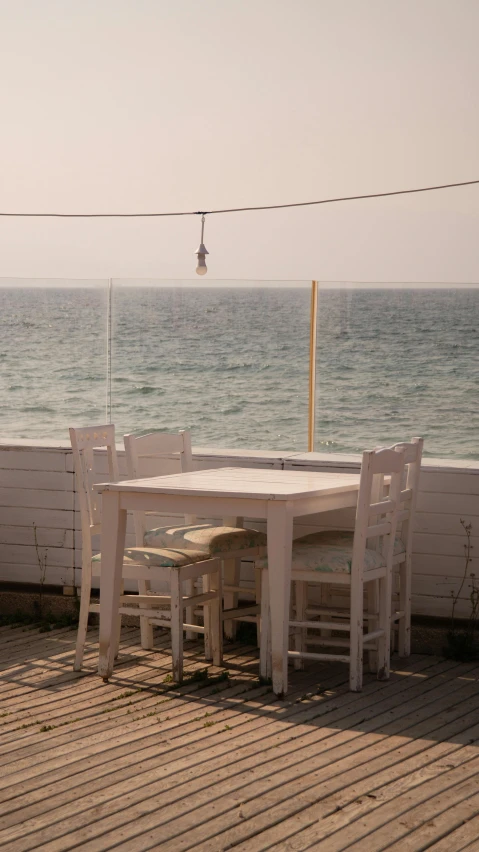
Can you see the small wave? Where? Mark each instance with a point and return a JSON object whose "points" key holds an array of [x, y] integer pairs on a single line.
{"points": [[232, 409], [41, 408], [145, 389]]}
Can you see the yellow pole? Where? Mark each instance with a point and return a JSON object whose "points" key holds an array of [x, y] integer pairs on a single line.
{"points": [[312, 364]]}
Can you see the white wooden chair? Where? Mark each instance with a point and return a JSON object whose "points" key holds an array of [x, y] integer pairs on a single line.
{"points": [[402, 557], [350, 559], [174, 566], [159, 453]]}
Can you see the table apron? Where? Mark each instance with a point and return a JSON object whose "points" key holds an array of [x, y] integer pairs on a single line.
{"points": [[212, 506]]}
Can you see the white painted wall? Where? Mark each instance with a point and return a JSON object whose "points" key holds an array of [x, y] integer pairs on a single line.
{"points": [[37, 488]]}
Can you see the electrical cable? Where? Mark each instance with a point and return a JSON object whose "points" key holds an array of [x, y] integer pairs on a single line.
{"points": [[239, 209]]}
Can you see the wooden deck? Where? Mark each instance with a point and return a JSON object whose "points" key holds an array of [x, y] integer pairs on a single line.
{"points": [[219, 763]]}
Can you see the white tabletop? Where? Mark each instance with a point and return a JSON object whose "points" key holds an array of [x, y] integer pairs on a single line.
{"points": [[252, 483]]}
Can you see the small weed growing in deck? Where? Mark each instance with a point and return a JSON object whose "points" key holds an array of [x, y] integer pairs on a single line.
{"points": [[462, 643], [125, 694]]}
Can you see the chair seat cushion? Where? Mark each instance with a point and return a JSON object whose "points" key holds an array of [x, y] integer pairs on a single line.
{"points": [[206, 538], [159, 558], [346, 537], [330, 551]]}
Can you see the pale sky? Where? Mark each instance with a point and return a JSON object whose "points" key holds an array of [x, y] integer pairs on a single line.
{"points": [[168, 105]]}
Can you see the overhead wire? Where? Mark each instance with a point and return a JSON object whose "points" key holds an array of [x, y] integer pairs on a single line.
{"points": [[242, 209]]}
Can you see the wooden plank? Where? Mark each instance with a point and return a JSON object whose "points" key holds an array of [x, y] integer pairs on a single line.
{"points": [[58, 575], [439, 607], [20, 516], [429, 823], [440, 524], [26, 554], [449, 482], [443, 546], [46, 537], [355, 827], [39, 499], [33, 458], [441, 567], [36, 480], [420, 791], [451, 504], [460, 839], [440, 585]]}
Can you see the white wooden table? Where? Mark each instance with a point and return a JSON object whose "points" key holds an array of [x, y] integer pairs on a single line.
{"points": [[277, 495]]}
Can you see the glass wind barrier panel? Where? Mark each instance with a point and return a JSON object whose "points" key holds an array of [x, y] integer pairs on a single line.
{"points": [[227, 360], [53, 356], [395, 363]]}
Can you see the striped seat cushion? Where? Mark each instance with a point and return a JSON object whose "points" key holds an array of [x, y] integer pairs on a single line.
{"points": [[329, 551], [158, 558], [345, 537], [205, 538]]}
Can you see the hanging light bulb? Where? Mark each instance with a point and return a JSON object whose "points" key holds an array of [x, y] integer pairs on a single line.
{"points": [[202, 251]]}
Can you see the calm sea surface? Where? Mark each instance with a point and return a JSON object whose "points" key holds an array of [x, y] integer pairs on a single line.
{"points": [[232, 365]]}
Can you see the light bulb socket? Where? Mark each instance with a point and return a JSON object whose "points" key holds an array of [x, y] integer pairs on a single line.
{"points": [[201, 249]]}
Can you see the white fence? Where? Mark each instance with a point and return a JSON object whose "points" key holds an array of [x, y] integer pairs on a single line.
{"points": [[37, 492]]}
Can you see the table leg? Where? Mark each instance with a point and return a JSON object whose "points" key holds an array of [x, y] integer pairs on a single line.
{"points": [[112, 548], [280, 542]]}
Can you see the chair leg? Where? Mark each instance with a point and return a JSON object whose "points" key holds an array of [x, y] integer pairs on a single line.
{"points": [[231, 572], [257, 598], [189, 613], [265, 668], [299, 632], [83, 617], [146, 628], [404, 638], [117, 629], [372, 607], [176, 626], [216, 620], [384, 642], [325, 597], [356, 638], [207, 619]]}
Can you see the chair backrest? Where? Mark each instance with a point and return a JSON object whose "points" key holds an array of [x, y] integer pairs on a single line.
{"points": [[156, 454], [376, 517], [84, 442], [410, 485]]}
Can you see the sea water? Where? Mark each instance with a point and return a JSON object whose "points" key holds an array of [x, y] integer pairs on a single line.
{"points": [[232, 365]]}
